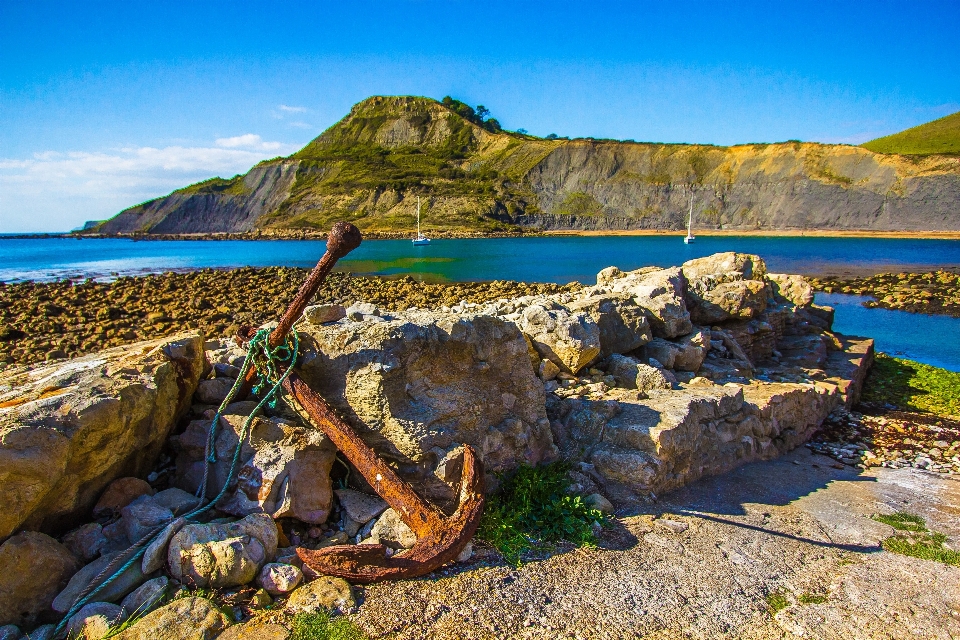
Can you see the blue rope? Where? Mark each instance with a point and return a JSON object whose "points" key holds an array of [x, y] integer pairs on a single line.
{"points": [[267, 358]]}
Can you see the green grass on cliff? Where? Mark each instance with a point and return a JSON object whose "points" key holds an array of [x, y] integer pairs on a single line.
{"points": [[532, 508], [939, 136], [913, 386]]}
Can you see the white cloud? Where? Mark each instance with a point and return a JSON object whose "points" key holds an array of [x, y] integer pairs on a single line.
{"points": [[284, 107], [248, 141], [56, 190]]}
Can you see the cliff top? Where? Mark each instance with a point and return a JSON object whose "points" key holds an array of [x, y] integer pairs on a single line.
{"points": [[940, 136]]}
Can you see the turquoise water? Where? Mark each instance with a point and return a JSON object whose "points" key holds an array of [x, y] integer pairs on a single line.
{"points": [[539, 259], [929, 339]]}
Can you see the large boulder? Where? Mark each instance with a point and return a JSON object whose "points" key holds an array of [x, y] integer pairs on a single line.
{"points": [[68, 429], [737, 299], [622, 322], [748, 266], [222, 555], [285, 470], [571, 340], [183, 619], [33, 569], [420, 384], [791, 288], [660, 294]]}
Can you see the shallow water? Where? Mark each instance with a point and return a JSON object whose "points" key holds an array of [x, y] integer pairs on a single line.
{"points": [[538, 259], [929, 339]]}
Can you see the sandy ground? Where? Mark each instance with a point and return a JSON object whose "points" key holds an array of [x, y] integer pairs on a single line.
{"points": [[796, 525]]}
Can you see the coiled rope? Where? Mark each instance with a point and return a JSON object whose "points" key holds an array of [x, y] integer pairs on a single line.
{"points": [[268, 361]]}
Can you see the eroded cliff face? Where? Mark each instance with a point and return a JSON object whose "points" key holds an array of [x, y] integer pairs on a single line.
{"points": [[780, 186], [370, 167]]}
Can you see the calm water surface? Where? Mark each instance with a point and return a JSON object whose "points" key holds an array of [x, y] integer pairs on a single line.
{"points": [[540, 259], [931, 339]]}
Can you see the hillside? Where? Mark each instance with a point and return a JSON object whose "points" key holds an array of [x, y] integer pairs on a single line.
{"points": [[939, 136], [370, 167]]}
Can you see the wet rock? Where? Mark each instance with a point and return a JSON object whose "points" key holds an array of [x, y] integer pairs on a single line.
{"points": [[85, 542], [326, 593], [78, 425], [278, 579], [222, 555], [322, 313], [145, 598], [119, 494], [571, 340], [183, 619], [391, 531], [93, 621], [127, 581], [33, 568]]}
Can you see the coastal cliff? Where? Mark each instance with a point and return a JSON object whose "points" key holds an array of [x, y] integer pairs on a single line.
{"points": [[370, 167]]}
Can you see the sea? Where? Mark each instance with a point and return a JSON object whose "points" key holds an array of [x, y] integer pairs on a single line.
{"points": [[930, 339]]}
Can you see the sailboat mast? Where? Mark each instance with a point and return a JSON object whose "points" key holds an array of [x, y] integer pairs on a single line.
{"points": [[690, 217], [418, 216]]}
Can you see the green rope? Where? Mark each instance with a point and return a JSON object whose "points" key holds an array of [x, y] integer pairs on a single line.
{"points": [[267, 360]]}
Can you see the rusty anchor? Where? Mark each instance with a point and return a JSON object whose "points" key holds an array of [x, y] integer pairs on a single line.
{"points": [[440, 538]]}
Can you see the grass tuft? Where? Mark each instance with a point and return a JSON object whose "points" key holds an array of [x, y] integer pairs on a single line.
{"points": [[917, 541], [320, 626], [532, 508], [777, 601], [811, 598], [913, 385]]}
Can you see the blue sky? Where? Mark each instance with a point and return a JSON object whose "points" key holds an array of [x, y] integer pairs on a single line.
{"points": [[106, 104]]}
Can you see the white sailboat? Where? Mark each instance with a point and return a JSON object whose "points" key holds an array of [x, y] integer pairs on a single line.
{"points": [[420, 239], [690, 237]]}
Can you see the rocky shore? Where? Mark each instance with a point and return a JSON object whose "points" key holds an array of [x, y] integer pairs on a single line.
{"points": [[936, 292], [643, 383], [51, 321]]}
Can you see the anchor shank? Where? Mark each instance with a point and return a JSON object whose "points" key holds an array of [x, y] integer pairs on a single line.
{"points": [[422, 517]]}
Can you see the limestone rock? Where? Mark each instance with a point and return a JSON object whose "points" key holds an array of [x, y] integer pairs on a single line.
{"points": [[326, 593], [256, 629], [746, 265], [360, 507], [182, 619], [33, 568], [279, 579], [222, 555], [213, 391], [145, 598], [285, 470], [547, 370], [632, 374], [608, 275], [622, 322], [391, 531], [360, 310], [322, 313], [155, 555], [129, 580], [93, 621], [599, 502], [791, 288], [85, 542], [142, 516], [68, 429], [660, 293], [738, 299], [429, 380], [571, 340], [119, 494], [692, 349]]}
